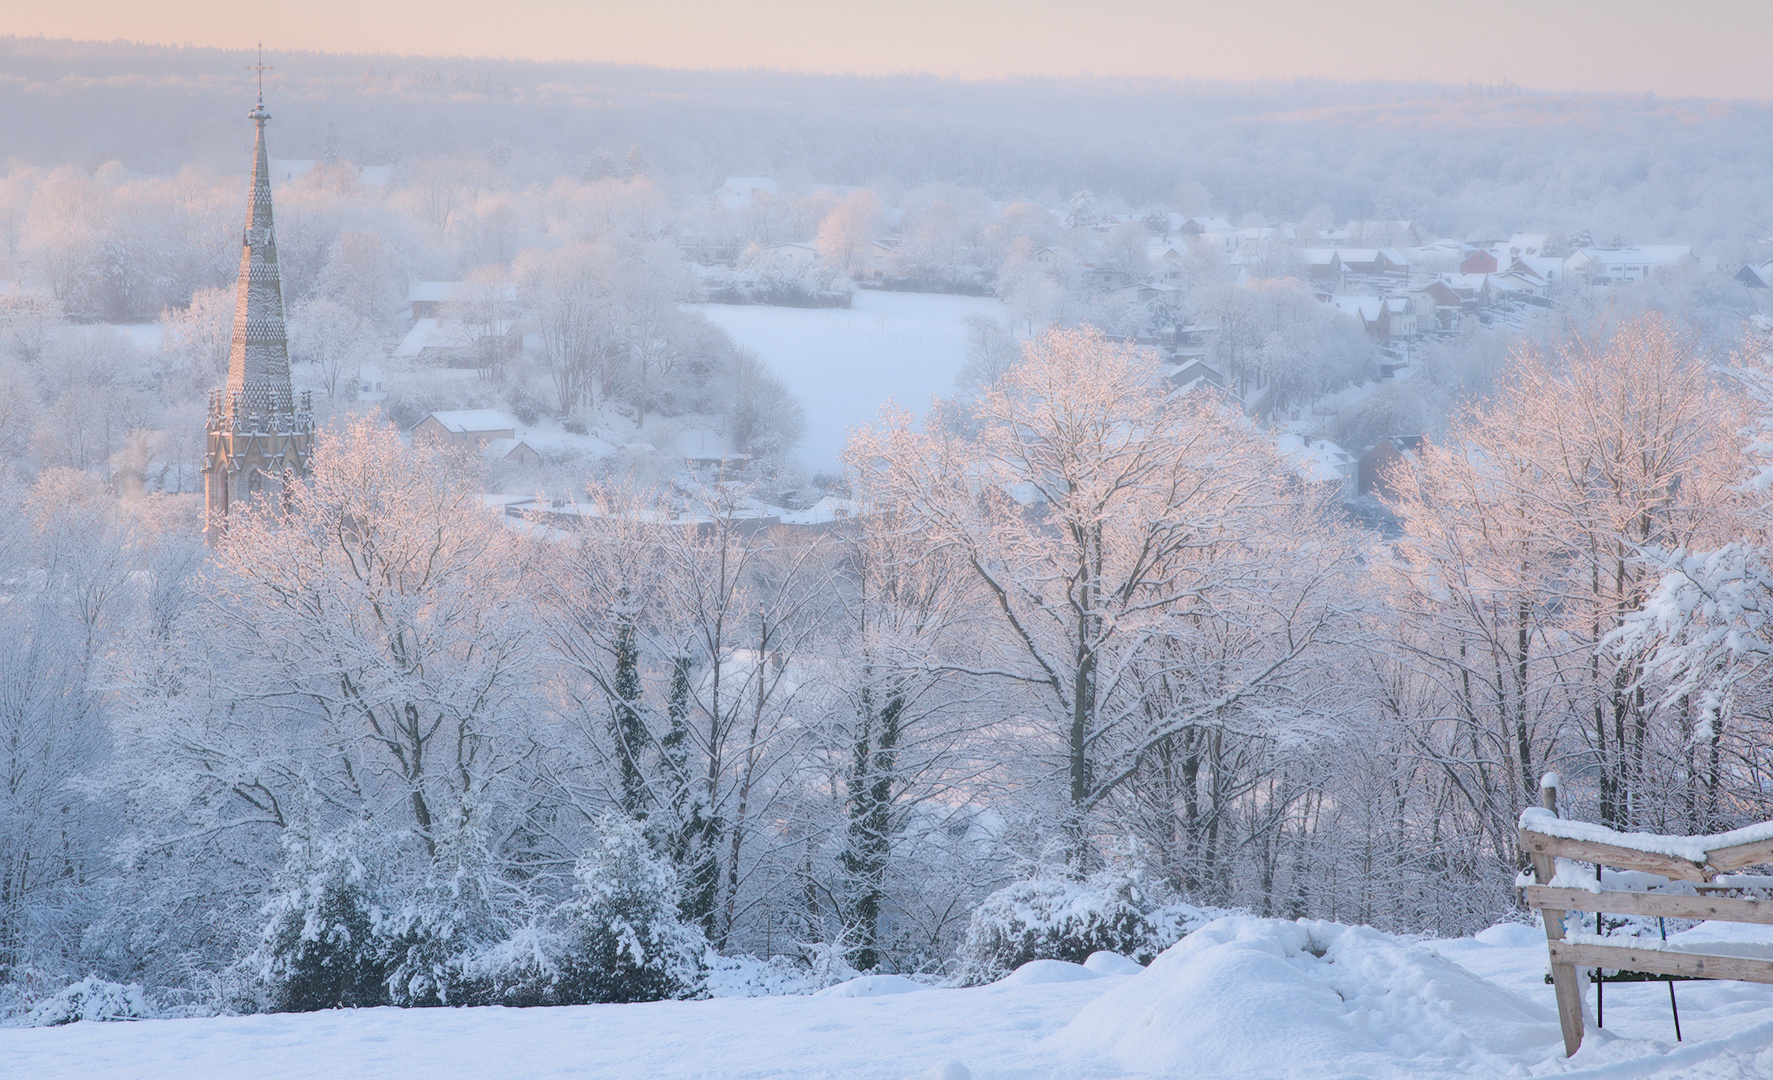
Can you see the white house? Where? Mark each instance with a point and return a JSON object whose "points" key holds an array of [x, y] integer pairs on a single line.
{"points": [[465, 427], [1322, 462], [1545, 267], [794, 254], [512, 451], [1400, 317], [446, 334], [1621, 266], [1365, 310], [878, 260]]}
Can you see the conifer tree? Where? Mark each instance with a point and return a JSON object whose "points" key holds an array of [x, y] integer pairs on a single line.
{"points": [[688, 836]]}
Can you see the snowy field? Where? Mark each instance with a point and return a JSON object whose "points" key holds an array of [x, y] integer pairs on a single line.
{"points": [[1241, 998], [843, 365]]}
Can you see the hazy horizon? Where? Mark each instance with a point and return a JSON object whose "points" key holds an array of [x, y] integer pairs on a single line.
{"points": [[1706, 50], [278, 71]]}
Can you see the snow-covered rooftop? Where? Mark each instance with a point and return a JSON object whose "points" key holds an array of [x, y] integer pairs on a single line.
{"points": [[472, 421], [1320, 461], [1652, 254], [1364, 308], [432, 334]]}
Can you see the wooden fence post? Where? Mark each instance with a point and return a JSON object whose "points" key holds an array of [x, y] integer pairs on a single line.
{"points": [[1563, 976]]}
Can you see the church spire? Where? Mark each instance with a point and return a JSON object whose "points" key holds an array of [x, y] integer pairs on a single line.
{"points": [[258, 362], [259, 438]]}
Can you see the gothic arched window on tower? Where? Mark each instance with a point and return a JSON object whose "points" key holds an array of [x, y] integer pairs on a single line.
{"points": [[255, 482]]}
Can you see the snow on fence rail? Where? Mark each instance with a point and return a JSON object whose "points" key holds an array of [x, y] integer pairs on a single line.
{"points": [[1691, 866]]}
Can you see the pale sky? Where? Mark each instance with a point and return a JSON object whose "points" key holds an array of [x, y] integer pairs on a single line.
{"points": [[1708, 48]]}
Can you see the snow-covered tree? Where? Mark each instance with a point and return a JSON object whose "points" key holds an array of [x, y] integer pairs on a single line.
{"points": [[846, 232], [1110, 523], [622, 937], [1530, 539]]}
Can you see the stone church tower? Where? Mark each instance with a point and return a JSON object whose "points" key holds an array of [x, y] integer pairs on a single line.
{"points": [[260, 438]]}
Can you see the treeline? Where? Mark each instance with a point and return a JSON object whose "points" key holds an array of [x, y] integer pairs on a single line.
{"points": [[1454, 162], [1083, 639]]}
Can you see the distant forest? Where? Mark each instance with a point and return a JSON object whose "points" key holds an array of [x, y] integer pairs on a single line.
{"points": [[1457, 160]]}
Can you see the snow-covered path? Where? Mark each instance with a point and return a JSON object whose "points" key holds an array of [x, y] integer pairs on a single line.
{"points": [[1000, 1032]]}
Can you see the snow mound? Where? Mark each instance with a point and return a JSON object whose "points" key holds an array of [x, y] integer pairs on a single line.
{"points": [[90, 999], [952, 1070], [1264, 997], [1511, 935], [748, 976], [1049, 971], [872, 986], [1113, 963]]}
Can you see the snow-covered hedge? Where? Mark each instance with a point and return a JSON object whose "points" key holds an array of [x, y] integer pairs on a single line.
{"points": [[520, 971], [618, 939], [320, 949], [1053, 918], [768, 277], [624, 940], [1174, 921], [344, 934], [91, 999]]}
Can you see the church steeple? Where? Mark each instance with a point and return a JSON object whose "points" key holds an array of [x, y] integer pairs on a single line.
{"points": [[258, 363], [260, 439]]}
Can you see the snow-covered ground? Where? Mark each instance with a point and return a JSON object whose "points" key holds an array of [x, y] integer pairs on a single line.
{"points": [[843, 365], [1241, 998]]}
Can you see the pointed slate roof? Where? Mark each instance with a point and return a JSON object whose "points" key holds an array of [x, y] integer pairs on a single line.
{"points": [[258, 362]]}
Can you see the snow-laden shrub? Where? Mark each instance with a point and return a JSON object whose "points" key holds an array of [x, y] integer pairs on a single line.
{"points": [[770, 276], [360, 922], [320, 949], [521, 971], [827, 962], [429, 930], [748, 976], [622, 935], [91, 999], [524, 405], [420, 943], [818, 966], [1055, 918]]}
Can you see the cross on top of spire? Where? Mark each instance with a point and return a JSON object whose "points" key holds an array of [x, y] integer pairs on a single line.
{"points": [[261, 67]]}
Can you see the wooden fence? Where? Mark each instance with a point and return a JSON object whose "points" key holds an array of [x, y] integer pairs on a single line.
{"points": [[1708, 900]]}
